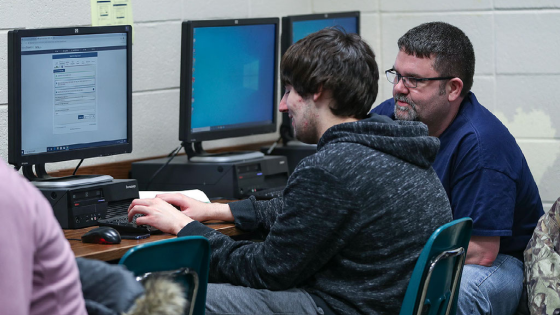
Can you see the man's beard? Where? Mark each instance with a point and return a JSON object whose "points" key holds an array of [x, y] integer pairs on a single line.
{"points": [[306, 130], [405, 113], [307, 134]]}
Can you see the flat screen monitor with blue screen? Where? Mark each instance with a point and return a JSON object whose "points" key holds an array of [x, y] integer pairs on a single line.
{"points": [[303, 28], [69, 94], [228, 79], [296, 27]]}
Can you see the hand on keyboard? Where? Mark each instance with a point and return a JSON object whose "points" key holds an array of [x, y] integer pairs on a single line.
{"points": [[121, 224], [159, 214]]}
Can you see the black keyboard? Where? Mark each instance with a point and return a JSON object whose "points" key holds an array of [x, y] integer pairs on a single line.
{"points": [[121, 224], [118, 208], [266, 194], [117, 218]]}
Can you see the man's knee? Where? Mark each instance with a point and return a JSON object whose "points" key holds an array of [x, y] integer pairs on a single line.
{"points": [[491, 290], [221, 298], [471, 300]]}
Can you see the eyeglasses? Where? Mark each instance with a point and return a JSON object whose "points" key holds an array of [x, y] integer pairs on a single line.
{"points": [[410, 82]]}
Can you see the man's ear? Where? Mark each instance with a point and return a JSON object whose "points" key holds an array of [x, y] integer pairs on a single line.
{"points": [[318, 94], [454, 88]]}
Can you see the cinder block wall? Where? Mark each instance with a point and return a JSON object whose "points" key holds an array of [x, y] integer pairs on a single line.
{"points": [[516, 43]]}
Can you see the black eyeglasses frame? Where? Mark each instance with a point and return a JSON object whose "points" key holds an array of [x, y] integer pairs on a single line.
{"points": [[398, 76]]}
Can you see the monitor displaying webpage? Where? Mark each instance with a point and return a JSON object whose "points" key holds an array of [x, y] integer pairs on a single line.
{"points": [[73, 92]]}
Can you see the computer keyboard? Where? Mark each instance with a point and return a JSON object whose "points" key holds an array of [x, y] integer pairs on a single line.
{"points": [[266, 194], [121, 224], [117, 218], [117, 209]]}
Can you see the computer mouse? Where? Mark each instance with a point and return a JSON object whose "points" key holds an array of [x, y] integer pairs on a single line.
{"points": [[102, 235]]}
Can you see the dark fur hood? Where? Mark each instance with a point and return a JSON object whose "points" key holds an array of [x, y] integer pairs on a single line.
{"points": [[162, 296]]}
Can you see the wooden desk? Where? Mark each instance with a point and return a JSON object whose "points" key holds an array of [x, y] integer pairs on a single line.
{"points": [[116, 251]]}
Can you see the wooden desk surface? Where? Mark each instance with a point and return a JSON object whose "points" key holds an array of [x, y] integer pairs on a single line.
{"points": [[116, 251]]}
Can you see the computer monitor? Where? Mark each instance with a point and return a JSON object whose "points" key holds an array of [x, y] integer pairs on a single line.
{"points": [[228, 82], [69, 97], [296, 27]]}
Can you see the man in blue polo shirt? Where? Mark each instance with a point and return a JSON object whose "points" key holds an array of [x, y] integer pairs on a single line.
{"points": [[482, 168]]}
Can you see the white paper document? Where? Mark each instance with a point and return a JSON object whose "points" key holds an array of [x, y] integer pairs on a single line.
{"points": [[193, 193]]}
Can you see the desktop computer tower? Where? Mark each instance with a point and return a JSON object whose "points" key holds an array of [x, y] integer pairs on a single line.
{"points": [[294, 154], [81, 206], [227, 180]]}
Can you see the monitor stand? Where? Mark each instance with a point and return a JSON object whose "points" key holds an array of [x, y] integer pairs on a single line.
{"points": [[42, 180], [197, 154]]}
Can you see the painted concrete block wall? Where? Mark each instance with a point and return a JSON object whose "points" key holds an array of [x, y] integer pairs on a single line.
{"points": [[517, 71]]}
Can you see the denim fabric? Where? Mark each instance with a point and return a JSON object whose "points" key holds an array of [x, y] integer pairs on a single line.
{"points": [[492, 290], [229, 299]]}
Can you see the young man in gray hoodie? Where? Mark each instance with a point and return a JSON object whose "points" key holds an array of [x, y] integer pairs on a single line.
{"points": [[346, 234]]}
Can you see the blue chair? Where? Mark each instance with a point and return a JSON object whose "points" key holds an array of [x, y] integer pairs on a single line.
{"points": [[434, 285], [189, 253]]}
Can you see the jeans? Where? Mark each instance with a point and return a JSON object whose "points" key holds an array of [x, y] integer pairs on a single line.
{"points": [[229, 299], [491, 290]]}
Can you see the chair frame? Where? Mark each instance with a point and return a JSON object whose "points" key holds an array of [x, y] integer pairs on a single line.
{"points": [[458, 269], [450, 241]]}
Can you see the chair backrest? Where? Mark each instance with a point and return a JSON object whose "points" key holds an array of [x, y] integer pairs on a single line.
{"points": [[434, 285], [192, 252]]}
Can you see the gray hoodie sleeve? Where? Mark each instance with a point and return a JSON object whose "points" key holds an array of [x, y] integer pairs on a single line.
{"points": [[253, 215]]}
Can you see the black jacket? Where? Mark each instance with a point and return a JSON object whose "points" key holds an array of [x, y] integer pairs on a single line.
{"points": [[351, 224]]}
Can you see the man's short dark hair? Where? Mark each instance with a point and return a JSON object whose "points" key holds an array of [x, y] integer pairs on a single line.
{"points": [[337, 61], [452, 49]]}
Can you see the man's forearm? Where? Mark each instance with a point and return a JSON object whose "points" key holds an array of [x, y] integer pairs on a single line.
{"points": [[221, 212], [483, 250]]}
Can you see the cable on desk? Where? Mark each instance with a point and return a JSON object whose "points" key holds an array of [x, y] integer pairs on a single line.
{"points": [[77, 167], [273, 146], [74, 239], [172, 154]]}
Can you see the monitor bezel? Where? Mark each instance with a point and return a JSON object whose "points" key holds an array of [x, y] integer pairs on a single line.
{"points": [[185, 134], [14, 97], [287, 23]]}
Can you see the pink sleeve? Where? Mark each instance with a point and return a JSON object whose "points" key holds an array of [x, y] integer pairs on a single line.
{"points": [[16, 244], [39, 274]]}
